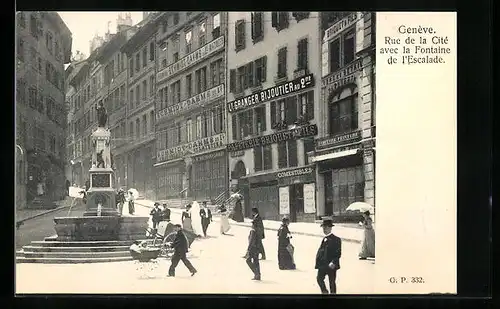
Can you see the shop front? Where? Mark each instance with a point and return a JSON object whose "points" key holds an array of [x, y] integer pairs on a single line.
{"points": [[297, 193], [208, 175], [262, 193], [170, 180], [340, 174], [142, 177]]}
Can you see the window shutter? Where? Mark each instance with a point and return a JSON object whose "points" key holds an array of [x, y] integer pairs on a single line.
{"points": [[232, 80], [284, 61], [243, 34], [291, 110], [264, 69], [249, 73], [273, 113], [263, 126], [253, 25], [250, 121], [234, 126], [274, 19], [310, 105]]}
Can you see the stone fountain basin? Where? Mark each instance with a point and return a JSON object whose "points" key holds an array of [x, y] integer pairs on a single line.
{"points": [[94, 228]]}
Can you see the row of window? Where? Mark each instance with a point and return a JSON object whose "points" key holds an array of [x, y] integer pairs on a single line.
{"points": [[141, 92], [42, 140], [250, 75], [287, 154], [37, 31], [43, 104], [208, 123], [142, 59], [203, 80], [194, 34], [51, 74], [279, 21], [291, 110], [141, 126]]}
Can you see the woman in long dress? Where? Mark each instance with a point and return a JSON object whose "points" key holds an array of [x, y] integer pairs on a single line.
{"points": [[238, 209], [224, 221], [285, 255], [186, 219], [368, 246], [196, 219]]}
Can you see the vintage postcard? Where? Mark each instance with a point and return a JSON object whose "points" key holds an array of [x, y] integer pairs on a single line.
{"points": [[236, 152]]}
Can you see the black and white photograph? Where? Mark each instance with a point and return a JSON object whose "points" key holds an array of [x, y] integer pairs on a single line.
{"points": [[224, 153]]}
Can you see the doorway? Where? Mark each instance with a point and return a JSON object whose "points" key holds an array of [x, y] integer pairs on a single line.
{"points": [[296, 201]]}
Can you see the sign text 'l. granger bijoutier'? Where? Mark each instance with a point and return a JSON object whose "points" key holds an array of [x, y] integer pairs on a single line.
{"points": [[194, 147], [191, 59], [193, 102], [292, 134], [274, 92]]}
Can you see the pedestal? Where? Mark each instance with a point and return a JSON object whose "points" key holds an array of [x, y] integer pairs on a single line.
{"points": [[101, 192]]}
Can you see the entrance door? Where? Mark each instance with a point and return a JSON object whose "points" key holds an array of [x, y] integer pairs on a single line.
{"points": [[296, 201]]}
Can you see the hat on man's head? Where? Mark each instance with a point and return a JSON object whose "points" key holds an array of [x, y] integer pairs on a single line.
{"points": [[327, 221], [177, 225], [188, 206], [255, 209], [157, 204], [285, 219]]}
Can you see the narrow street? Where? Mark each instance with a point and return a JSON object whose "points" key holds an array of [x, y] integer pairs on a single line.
{"points": [[221, 269]]}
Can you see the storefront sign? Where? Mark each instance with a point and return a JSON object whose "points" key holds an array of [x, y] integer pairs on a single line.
{"points": [[296, 172], [237, 154], [195, 101], [200, 145], [343, 76], [338, 140], [191, 59], [272, 93], [298, 175], [304, 131], [310, 198], [340, 26], [209, 156], [284, 201]]}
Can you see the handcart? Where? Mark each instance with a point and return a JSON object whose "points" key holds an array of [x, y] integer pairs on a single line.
{"points": [[163, 237]]}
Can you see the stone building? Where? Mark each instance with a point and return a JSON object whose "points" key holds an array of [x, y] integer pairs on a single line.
{"points": [[190, 109], [102, 77], [273, 96], [140, 112], [43, 46], [344, 154]]}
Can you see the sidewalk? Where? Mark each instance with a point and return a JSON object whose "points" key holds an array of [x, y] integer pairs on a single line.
{"points": [[346, 232], [27, 214]]}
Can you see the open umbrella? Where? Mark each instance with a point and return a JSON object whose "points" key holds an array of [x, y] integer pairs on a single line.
{"points": [[135, 193], [361, 207], [236, 196]]}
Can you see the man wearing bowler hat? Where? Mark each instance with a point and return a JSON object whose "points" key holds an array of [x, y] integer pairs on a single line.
{"points": [[328, 257]]}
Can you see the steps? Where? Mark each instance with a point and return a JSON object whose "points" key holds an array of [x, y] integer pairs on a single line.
{"points": [[41, 203], [71, 252]]}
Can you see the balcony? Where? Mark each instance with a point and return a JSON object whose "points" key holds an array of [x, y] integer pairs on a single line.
{"points": [[338, 140], [191, 103], [191, 59], [196, 147]]}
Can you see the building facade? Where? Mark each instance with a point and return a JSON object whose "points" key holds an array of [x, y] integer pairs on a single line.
{"points": [[139, 152], [102, 77], [344, 154], [191, 159], [273, 96], [43, 47]]}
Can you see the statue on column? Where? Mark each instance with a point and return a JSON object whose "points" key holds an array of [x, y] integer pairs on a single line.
{"points": [[102, 115]]}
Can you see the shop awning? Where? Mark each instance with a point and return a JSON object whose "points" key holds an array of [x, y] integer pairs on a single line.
{"points": [[334, 155]]}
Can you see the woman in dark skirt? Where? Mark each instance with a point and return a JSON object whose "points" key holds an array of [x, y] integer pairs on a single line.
{"points": [[285, 248]]}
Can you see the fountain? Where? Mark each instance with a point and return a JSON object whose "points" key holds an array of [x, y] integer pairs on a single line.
{"points": [[102, 233]]}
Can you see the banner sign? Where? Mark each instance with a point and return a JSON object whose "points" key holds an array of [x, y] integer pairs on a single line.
{"points": [[194, 101], [309, 198], [293, 134], [198, 55], [284, 200], [193, 147], [272, 93]]}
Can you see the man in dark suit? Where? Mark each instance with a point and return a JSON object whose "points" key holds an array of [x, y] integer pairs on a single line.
{"points": [[252, 256], [328, 257], [259, 226], [180, 246], [166, 213], [156, 214], [206, 217]]}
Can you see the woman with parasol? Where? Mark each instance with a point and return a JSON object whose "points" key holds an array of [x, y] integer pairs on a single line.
{"points": [[224, 221], [368, 245]]}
